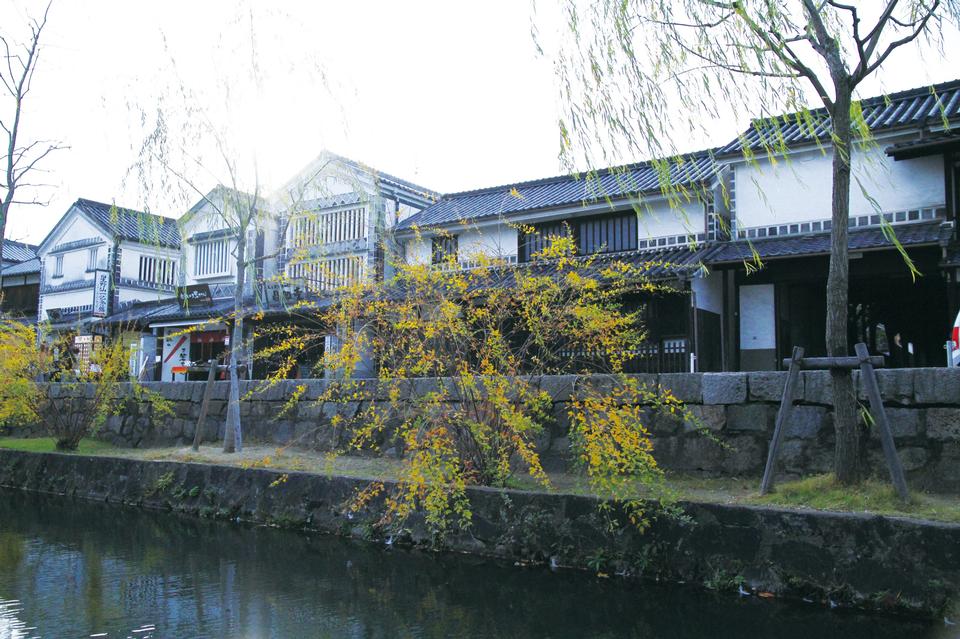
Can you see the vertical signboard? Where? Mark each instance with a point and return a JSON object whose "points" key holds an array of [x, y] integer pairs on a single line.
{"points": [[101, 293], [176, 354]]}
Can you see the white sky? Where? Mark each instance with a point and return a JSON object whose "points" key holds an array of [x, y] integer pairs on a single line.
{"points": [[449, 94]]}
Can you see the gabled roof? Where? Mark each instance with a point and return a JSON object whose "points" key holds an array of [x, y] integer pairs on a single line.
{"points": [[387, 180], [219, 192], [922, 106], [14, 251], [859, 239], [131, 225], [566, 190], [389, 185]]}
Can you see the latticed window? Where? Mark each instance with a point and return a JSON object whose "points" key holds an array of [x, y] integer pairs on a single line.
{"points": [[329, 274], [210, 258], [540, 238], [444, 249], [92, 258], [157, 270], [316, 229], [599, 234]]}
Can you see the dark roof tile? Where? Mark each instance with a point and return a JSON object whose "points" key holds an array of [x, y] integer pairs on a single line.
{"points": [[23, 268], [914, 107], [14, 251], [135, 226], [819, 243], [564, 190]]}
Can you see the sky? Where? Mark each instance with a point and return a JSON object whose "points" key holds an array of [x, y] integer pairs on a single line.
{"points": [[449, 94]]}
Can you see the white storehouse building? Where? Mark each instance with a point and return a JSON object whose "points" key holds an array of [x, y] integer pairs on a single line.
{"points": [[748, 241], [328, 226], [100, 256]]}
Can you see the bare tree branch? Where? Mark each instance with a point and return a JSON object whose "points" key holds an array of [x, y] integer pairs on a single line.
{"points": [[17, 85]]}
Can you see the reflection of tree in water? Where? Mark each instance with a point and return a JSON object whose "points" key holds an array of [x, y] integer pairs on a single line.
{"points": [[200, 578]]}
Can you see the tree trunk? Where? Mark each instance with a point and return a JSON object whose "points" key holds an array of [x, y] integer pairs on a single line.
{"points": [[233, 437], [847, 451], [3, 230]]}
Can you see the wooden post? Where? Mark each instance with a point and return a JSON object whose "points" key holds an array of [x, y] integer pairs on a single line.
{"points": [[869, 377], [205, 406], [783, 416]]}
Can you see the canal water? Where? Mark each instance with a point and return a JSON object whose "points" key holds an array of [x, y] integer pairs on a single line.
{"points": [[70, 568]]}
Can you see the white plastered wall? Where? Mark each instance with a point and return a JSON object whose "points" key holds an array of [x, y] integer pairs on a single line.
{"points": [[770, 193], [659, 219]]}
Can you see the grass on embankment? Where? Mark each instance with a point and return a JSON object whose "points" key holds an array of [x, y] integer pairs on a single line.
{"points": [[823, 492], [48, 445], [820, 492]]}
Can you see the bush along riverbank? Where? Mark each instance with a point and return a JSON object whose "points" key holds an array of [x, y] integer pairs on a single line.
{"points": [[873, 562]]}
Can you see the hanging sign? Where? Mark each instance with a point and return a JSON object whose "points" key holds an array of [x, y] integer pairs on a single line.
{"points": [[101, 293], [196, 294]]}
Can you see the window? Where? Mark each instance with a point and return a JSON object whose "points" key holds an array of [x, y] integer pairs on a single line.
{"points": [[331, 274], [607, 234], [317, 229], [444, 249], [541, 238], [58, 266], [597, 234], [157, 270], [210, 258], [92, 258]]}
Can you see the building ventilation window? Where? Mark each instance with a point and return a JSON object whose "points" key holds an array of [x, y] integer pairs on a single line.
{"points": [[210, 258], [330, 274], [92, 258], [317, 229], [157, 270], [444, 249], [58, 266]]}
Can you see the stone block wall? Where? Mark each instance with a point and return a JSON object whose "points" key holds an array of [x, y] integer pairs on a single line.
{"points": [[737, 410]]}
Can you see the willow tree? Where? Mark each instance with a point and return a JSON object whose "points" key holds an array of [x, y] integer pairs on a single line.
{"points": [[638, 76], [199, 130]]}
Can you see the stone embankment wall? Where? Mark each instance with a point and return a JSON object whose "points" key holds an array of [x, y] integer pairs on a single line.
{"points": [[739, 409], [868, 561]]}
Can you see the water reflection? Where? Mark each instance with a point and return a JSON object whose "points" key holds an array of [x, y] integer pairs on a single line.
{"points": [[77, 569]]}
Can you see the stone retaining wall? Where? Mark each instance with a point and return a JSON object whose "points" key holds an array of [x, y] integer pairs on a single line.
{"points": [[868, 561], [739, 409]]}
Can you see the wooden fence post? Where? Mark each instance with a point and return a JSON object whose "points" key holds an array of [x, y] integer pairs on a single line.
{"points": [[783, 416], [869, 378], [205, 406]]}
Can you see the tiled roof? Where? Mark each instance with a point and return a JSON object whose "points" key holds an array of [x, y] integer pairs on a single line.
{"points": [[414, 189], [135, 226], [912, 108], [14, 251], [819, 243], [144, 313], [935, 143], [23, 268], [563, 190]]}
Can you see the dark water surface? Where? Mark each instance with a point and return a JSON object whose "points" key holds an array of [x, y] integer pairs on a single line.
{"points": [[79, 569]]}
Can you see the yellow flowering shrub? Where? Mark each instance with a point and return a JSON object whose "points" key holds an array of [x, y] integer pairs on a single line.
{"points": [[461, 355], [48, 382]]}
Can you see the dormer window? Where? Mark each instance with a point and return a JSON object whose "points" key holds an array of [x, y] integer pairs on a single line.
{"points": [[210, 258]]}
